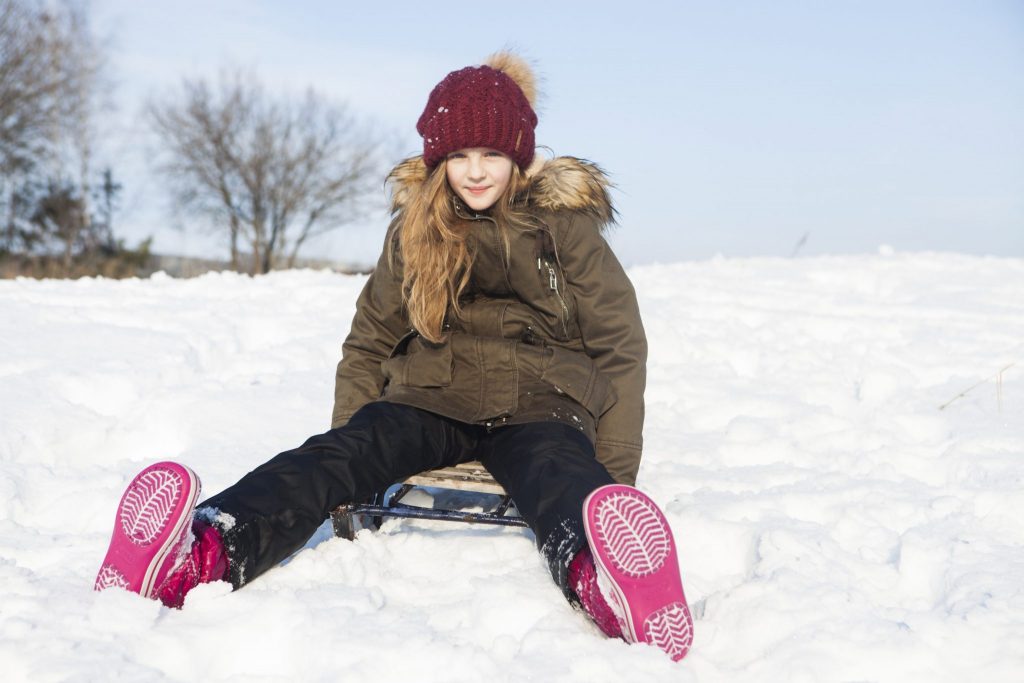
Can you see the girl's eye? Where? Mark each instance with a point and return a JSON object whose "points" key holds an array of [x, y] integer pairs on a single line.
{"points": [[456, 155], [494, 154]]}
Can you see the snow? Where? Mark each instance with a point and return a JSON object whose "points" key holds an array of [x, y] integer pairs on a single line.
{"points": [[834, 523]]}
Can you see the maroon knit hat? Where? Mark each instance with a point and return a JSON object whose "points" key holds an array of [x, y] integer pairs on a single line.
{"points": [[481, 106]]}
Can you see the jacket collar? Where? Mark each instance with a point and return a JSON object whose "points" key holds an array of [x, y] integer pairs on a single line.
{"points": [[560, 183]]}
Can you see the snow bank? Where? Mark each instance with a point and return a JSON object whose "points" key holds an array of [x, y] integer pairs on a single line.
{"points": [[834, 522]]}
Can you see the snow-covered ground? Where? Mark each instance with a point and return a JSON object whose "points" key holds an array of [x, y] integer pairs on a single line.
{"points": [[835, 521]]}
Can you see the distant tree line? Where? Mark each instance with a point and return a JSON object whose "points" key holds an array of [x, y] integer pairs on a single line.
{"points": [[267, 172]]}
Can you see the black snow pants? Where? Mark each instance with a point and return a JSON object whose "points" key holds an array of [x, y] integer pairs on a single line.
{"points": [[547, 467]]}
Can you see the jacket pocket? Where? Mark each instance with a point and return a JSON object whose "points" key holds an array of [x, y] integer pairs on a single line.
{"points": [[419, 364], [575, 374]]}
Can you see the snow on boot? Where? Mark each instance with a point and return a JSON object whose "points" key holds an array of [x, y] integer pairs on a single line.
{"points": [[151, 529], [638, 568], [583, 580], [205, 561]]}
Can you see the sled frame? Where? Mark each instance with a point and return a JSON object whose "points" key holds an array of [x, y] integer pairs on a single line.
{"points": [[470, 477]]}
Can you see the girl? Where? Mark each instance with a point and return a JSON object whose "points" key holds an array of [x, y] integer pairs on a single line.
{"points": [[498, 326]]}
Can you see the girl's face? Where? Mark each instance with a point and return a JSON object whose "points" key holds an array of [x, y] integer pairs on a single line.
{"points": [[479, 175]]}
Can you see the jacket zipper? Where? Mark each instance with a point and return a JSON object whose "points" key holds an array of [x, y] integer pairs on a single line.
{"points": [[553, 286]]}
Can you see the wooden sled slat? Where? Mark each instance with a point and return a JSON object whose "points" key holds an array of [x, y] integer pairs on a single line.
{"points": [[468, 476]]}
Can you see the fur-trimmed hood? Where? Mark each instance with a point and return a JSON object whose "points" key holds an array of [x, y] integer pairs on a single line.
{"points": [[561, 183]]}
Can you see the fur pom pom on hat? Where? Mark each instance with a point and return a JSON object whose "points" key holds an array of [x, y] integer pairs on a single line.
{"points": [[482, 106]]}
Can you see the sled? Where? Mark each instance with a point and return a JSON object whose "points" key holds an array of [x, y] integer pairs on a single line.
{"points": [[469, 477]]}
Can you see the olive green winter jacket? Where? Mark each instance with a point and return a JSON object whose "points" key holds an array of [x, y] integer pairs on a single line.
{"points": [[549, 332]]}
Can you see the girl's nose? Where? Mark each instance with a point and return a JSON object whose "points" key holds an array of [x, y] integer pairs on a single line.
{"points": [[476, 167]]}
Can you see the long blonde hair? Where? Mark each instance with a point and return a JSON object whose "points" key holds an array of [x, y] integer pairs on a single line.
{"points": [[436, 250]]}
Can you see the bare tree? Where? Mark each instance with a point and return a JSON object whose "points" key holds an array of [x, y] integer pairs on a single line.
{"points": [[49, 64], [272, 172], [29, 86]]}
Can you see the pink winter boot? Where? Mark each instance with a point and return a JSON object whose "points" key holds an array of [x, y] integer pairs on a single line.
{"points": [[151, 529], [637, 568]]}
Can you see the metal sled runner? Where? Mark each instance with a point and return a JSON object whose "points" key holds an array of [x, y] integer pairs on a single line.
{"points": [[470, 477]]}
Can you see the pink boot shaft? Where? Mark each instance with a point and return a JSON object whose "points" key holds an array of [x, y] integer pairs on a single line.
{"points": [[638, 568], [205, 561], [583, 581], [151, 529]]}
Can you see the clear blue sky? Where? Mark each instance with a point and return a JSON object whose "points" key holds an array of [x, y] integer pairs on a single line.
{"points": [[730, 128]]}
